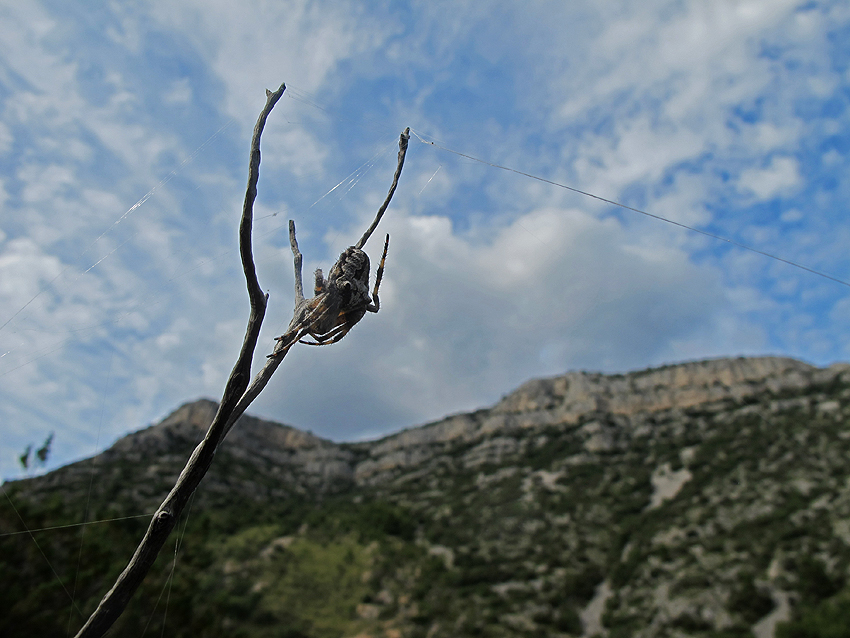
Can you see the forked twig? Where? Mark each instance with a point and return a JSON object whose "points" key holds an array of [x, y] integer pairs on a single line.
{"points": [[309, 316]]}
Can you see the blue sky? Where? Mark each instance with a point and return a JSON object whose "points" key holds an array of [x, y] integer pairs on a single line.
{"points": [[728, 116]]}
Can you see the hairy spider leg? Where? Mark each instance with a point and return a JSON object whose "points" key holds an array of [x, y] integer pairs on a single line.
{"points": [[289, 338], [302, 329], [379, 275], [325, 340]]}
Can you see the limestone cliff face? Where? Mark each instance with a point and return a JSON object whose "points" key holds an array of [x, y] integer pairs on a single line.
{"points": [[565, 399], [311, 463], [676, 386]]}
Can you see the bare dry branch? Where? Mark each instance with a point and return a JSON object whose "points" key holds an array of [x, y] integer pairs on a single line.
{"points": [[113, 604], [238, 394]]}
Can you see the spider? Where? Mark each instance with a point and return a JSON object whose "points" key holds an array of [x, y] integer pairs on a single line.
{"points": [[340, 301]]}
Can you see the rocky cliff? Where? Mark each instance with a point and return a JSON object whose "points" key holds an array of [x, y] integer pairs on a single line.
{"points": [[567, 399], [709, 498]]}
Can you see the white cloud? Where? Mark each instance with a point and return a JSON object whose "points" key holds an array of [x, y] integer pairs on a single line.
{"points": [[6, 139], [831, 158], [180, 92], [792, 215], [25, 268], [782, 175], [671, 85], [258, 45]]}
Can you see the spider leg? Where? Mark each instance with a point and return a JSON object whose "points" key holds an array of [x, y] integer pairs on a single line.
{"points": [[375, 306], [380, 272], [311, 314], [325, 340], [345, 321], [289, 339], [321, 338], [315, 309]]}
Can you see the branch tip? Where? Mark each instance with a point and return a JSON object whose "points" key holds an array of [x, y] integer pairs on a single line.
{"points": [[403, 139]]}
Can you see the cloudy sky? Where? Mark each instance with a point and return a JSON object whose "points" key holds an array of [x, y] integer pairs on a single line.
{"points": [[124, 133]]}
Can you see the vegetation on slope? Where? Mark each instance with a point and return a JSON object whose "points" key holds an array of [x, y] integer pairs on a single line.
{"points": [[696, 522]]}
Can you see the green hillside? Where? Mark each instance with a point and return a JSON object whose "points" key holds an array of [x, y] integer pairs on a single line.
{"points": [[705, 499]]}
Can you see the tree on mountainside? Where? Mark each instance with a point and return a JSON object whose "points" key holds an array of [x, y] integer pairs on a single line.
{"points": [[41, 454]]}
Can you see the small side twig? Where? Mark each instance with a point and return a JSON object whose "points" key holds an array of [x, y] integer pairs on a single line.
{"points": [[296, 259], [238, 393]]}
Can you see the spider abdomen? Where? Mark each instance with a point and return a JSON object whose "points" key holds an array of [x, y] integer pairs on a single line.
{"points": [[350, 277]]}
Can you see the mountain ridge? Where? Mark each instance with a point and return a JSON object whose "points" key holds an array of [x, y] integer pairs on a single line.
{"points": [[557, 400], [708, 498]]}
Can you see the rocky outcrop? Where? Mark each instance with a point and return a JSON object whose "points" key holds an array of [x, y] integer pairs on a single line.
{"points": [[676, 386], [564, 400], [259, 460]]}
